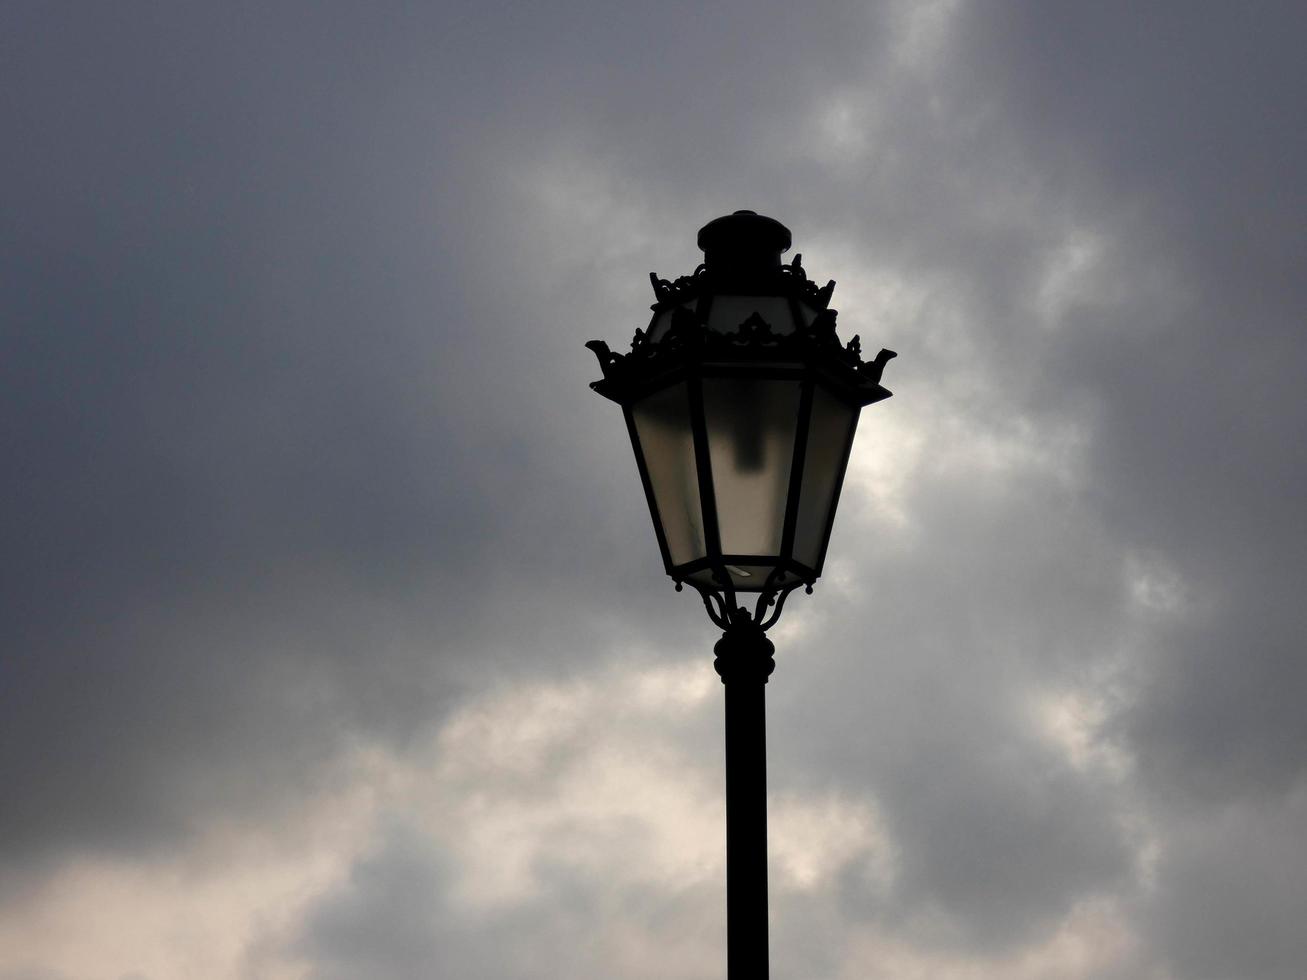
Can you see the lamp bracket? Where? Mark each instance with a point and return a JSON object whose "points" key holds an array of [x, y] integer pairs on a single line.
{"points": [[725, 613]]}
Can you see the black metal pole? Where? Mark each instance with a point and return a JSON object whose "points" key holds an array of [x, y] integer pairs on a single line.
{"points": [[744, 661]]}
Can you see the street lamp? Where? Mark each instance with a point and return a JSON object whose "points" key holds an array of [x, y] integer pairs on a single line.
{"points": [[741, 404]]}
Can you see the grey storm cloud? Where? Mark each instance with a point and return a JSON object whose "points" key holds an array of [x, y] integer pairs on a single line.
{"points": [[305, 494]]}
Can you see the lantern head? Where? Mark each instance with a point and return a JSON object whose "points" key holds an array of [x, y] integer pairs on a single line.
{"points": [[741, 403]]}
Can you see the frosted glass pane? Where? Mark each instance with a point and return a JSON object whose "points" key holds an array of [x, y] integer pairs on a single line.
{"points": [[745, 578], [829, 436], [728, 312], [753, 578], [751, 425], [663, 321], [662, 422]]}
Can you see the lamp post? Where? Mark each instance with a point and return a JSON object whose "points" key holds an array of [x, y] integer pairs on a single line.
{"points": [[741, 404]]}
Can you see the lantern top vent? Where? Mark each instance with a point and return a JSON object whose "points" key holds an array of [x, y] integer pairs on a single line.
{"points": [[743, 247]]}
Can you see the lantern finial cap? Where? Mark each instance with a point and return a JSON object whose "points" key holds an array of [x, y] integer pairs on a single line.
{"points": [[742, 245]]}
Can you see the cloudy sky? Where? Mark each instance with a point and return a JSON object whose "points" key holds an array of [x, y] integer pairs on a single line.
{"points": [[334, 643]]}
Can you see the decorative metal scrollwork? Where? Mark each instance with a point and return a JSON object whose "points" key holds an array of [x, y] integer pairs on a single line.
{"points": [[723, 611], [679, 290], [687, 336]]}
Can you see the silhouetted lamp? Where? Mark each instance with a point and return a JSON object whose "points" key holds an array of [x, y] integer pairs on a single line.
{"points": [[741, 403]]}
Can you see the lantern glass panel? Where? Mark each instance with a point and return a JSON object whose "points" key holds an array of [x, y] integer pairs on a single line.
{"points": [[755, 577], [745, 578], [728, 312], [751, 424], [662, 423], [830, 434], [662, 322]]}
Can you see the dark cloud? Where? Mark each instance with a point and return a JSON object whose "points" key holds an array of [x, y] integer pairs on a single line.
{"points": [[1230, 893], [250, 386], [1189, 121]]}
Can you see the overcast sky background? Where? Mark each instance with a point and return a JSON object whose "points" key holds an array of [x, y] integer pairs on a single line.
{"points": [[335, 644]]}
